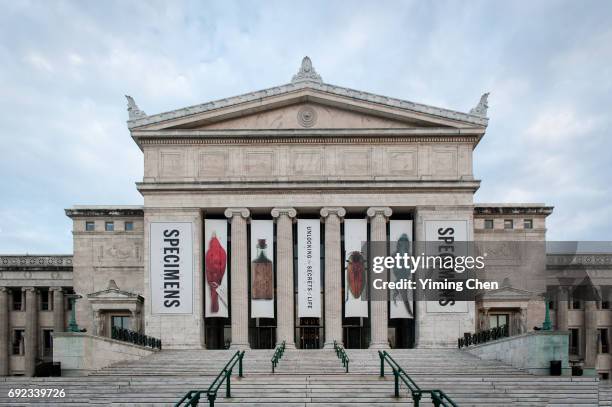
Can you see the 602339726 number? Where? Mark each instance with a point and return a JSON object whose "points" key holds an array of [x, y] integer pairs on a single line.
{"points": [[36, 393]]}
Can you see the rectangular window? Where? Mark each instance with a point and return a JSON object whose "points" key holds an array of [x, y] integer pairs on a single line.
{"points": [[603, 340], [90, 226], [109, 226], [47, 345], [44, 300], [605, 304], [17, 300], [551, 305], [129, 226], [120, 322], [498, 320], [18, 345], [528, 224], [575, 304], [508, 224], [488, 223], [574, 341]]}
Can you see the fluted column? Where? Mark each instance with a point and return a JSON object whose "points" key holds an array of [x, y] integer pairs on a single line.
{"points": [[239, 278], [590, 330], [4, 332], [333, 275], [31, 330], [285, 330], [58, 310], [562, 309], [379, 337]]}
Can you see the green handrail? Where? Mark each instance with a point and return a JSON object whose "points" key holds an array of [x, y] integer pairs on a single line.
{"points": [[341, 354], [192, 397], [438, 397], [278, 354]]}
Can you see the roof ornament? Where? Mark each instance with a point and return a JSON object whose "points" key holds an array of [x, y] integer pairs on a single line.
{"points": [[134, 111], [482, 106], [306, 73], [112, 285]]}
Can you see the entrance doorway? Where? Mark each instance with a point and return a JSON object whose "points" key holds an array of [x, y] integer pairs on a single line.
{"points": [[262, 333], [356, 333], [310, 333], [217, 333]]}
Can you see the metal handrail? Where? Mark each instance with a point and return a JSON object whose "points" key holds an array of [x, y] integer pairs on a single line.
{"points": [[341, 354], [483, 336], [438, 397], [125, 335], [192, 397], [278, 354]]}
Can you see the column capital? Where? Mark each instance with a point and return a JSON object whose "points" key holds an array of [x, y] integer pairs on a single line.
{"points": [[59, 289], [379, 210], [231, 212], [290, 212], [333, 210], [25, 289], [4, 289]]}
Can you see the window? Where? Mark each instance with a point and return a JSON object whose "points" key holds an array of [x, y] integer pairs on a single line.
{"points": [[575, 304], [605, 304], [44, 300], [120, 322], [603, 340], [528, 223], [47, 345], [129, 226], [508, 224], [90, 226], [17, 300], [574, 341], [109, 226], [18, 346], [551, 305], [497, 320], [488, 223]]}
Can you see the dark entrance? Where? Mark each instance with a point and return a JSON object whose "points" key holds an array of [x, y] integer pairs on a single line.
{"points": [[401, 333], [262, 333], [215, 329], [310, 333], [355, 333]]}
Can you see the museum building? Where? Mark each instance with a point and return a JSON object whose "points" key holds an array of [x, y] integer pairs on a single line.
{"points": [[254, 208]]}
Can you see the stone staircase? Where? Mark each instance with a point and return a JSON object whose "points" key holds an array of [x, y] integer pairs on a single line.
{"points": [[311, 378]]}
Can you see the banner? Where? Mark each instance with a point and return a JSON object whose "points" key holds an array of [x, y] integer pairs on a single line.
{"points": [[215, 268], [355, 277], [262, 269], [441, 237], [309, 268], [401, 302], [171, 267]]}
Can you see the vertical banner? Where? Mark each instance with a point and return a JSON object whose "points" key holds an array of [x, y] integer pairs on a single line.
{"points": [[443, 237], [171, 267], [262, 269], [215, 267], [355, 277], [309, 268], [400, 239]]}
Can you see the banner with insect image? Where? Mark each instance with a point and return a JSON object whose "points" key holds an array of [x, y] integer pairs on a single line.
{"points": [[400, 242], [355, 278], [215, 268], [262, 269]]}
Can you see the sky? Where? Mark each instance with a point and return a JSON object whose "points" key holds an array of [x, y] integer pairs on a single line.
{"points": [[66, 66]]}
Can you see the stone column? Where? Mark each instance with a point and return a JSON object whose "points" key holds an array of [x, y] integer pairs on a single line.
{"points": [[333, 275], [4, 332], [590, 334], [31, 330], [59, 318], [239, 278], [379, 336], [285, 330], [562, 309]]}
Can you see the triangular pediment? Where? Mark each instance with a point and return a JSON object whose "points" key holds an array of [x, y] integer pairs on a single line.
{"points": [[113, 294], [507, 293]]}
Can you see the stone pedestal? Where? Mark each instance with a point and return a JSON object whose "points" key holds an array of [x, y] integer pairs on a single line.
{"points": [[239, 278], [4, 332], [378, 322], [59, 318], [31, 330], [285, 330], [333, 275]]}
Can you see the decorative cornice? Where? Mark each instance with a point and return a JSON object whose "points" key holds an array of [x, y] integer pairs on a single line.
{"points": [[20, 262], [306, 73], [379, 210], [329, 210], [290, 212], [482, 209], [579, 260], [101, 211], [232, 212]]}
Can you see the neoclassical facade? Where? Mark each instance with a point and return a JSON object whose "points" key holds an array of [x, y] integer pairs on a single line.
{"points": [[255, 205]]}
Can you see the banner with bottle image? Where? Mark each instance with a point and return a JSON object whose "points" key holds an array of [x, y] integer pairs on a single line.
{"points": [[215, 268], [355, 278], [400, 242], [262, 269]]}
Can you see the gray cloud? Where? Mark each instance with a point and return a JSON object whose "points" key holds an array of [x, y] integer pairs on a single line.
{"points": [[66, 65]]}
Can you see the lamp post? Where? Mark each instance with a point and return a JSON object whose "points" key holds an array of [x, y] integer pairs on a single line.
{"points": [[72, 326]]}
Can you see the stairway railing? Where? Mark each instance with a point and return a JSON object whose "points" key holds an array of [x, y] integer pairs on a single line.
{"points": [[192, 397], [483, 336], [341, 354], [438, 397], [125, 335], [278, 354]]}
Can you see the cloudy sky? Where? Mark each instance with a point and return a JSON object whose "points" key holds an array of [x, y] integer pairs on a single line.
{"points": [[65, 66]]}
